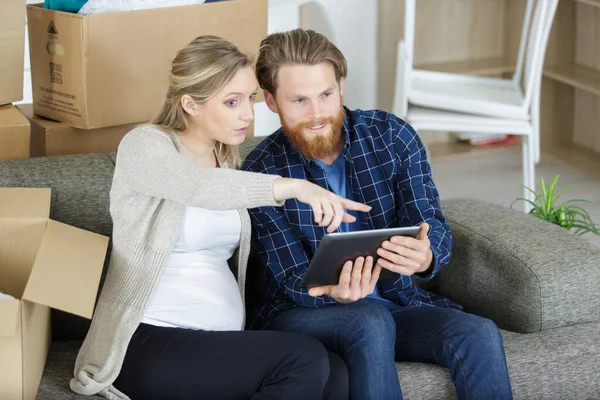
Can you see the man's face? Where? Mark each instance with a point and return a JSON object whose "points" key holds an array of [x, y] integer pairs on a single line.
{"points": [[309, 104]]}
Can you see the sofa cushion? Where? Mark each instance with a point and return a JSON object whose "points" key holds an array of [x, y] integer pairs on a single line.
{"points": [[59, 371], [555, 364]]}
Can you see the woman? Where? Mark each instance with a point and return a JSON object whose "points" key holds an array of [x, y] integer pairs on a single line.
{"points": [[169, 322]]}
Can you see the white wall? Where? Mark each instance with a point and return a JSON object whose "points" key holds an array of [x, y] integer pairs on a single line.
{"points": [[352, 26]]}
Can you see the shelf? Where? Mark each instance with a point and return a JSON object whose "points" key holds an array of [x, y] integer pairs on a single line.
{"points": [[593, 3], [578, 76], [572, 155], [483, 66]]}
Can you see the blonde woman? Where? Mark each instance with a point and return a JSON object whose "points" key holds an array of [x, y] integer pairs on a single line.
{"points": [[169, 322]]}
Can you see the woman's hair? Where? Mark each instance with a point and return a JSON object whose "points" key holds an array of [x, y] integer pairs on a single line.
{"points": [[200, 70], [298, 46]]}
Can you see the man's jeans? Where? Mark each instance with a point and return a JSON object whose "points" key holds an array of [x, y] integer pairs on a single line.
{"points": [[370, 335]]}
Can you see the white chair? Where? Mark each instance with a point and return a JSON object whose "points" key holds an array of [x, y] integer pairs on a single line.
{"points": [[438, 101]]}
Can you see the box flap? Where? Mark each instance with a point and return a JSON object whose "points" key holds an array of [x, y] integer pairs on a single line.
{"points": [[20, 239], [9, 317], [24, 202], [67, 270]]}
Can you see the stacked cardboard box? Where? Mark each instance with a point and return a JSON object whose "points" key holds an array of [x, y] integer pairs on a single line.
{"points": [[106, 71], [14, 128], [53, 138], [112, 69], [14, 133], [12, 46], [95, 77]]}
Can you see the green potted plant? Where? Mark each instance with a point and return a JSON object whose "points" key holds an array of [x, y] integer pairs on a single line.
{"points": [[565, 214]]}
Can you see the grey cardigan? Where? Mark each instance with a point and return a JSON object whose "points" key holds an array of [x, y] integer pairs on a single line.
{"points": [[153, 182]]}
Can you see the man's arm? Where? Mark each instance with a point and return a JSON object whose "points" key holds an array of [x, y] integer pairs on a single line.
{"points": [[417, 197]]}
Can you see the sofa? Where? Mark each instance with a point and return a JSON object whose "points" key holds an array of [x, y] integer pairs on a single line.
{"points": [[539, 283]]}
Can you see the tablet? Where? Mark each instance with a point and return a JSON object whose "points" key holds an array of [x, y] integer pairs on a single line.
{"points": [[337, 248]]}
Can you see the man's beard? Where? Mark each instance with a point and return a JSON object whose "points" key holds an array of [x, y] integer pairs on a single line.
{"points": [[317, 146]]}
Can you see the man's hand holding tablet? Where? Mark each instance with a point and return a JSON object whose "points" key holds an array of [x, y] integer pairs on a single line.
{"points": [[401, 254], [357, 281], [406, 255]]}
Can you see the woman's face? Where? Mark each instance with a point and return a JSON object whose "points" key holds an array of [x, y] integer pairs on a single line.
{"points": [[226, 116]]}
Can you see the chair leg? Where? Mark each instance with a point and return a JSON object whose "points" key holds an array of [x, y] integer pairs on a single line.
{"points": [[533, 155], [528, 171], [535, 123]]}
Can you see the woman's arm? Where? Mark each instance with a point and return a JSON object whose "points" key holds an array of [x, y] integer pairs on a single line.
{"points": [[149, 163]]}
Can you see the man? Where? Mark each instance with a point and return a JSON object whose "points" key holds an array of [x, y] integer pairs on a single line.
{"points": [[375, 158]]}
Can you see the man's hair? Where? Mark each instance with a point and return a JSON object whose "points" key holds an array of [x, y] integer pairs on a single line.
{"points": [[297, 46]]}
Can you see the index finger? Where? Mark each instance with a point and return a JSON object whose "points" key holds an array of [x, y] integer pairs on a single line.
{"points": [[409, 242], [354, 205]]}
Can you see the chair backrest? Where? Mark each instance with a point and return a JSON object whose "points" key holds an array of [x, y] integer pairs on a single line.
{"points": [[532, 48], [535, 32], [523, 42], [410, 15], [404, 61]]}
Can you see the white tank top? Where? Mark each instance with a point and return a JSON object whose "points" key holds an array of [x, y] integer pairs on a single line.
{"points": [[196, 289]]}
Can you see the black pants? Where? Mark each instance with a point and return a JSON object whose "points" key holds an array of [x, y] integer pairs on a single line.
{"points": [[172, 363]]}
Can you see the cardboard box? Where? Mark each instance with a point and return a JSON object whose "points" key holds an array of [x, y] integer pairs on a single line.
{"points": [[14, 134], [12, 50], [52, 138], [43, 264], [112, 69]]}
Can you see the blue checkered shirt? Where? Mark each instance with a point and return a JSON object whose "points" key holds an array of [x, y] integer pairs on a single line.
{"points": [[387, 168]]}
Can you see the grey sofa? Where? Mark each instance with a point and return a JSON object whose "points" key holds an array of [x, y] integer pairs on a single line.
{"points": [[540, 284]]}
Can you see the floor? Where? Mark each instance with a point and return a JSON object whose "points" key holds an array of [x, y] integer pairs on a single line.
{"points": [[495, 176]]}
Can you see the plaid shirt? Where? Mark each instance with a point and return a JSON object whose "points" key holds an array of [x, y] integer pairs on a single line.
{"points": [[387, 168]]}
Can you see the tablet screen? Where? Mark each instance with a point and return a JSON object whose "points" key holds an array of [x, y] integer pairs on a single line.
{"points": [[337, 248]]}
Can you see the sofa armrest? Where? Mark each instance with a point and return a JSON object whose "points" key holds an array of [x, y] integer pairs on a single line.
{"points": [[525, 274]]}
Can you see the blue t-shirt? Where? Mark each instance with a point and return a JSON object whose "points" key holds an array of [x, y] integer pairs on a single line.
{"points": [[336, 178]]}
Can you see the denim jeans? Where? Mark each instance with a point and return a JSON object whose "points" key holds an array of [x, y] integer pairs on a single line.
{"points": [[371, 335]]}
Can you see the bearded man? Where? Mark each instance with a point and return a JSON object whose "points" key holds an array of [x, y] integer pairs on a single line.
{"points": [[375, 158]]}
